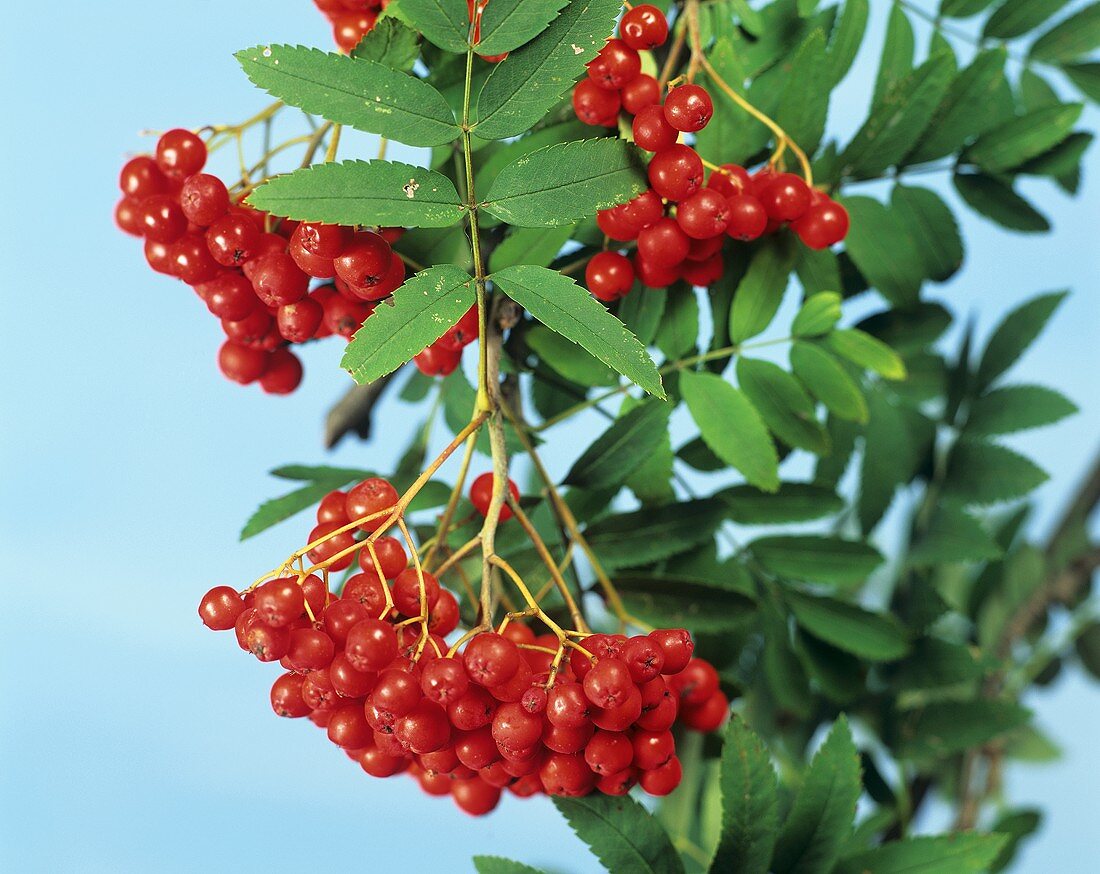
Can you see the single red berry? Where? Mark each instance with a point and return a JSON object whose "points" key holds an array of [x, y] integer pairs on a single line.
{"points": [[472, 710], [279, 602], [363, 263], [475, 796], [283, 373], [653, 748], [703, 273], [204, 199], [640, 92], [349, 28], [180, 153], [391, 555], [277, 280], [515, 728], [491, 659], [676, 645], [534, 700], [371, 645], [747, 217], [596, 106], [481, 495], [343, 316], [662, 780], [406, 591], [299, 321], [162, 220], [566, 775], [663, 243], [644, 27], [644, 210], [477, 749], [266, 643], [708, 715], [444, 616], [191, 260], [609, 752], [341, 616], [643, 658], [220, 607], [462, 333], [129, 216], [561, 739], [822, 225], [615, 65], [318, 691], [437, 361], [324, 241], [615, 224], [230, 297], [286, 696], [618, 784], [348, 728], [378, 763], [444, 680], [241, 363], [785, 197], [676, 173], [729, 180], [372, 497], [608, 684], [703, 215], [652, 131], [697, 681], [609, 276], [233, 239], [310, 649], [688, 108], [621, 716], [659, 709], [424, 729], [701, 250], [334, 544], [141, 177]]}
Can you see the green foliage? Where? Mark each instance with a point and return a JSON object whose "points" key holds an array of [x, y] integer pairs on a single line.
{"points": [[947, 854], [508, 24], [626, 445], [750, 804], [446, 23], [621, 834]]}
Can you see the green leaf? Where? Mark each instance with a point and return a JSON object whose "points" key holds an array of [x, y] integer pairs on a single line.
{"points": [[793, 502], [877, 637], [563, 306], [566, 359], [931, 224], [1017, 408], [787, 684], [946, 727], [897, 53], [390, 43], [508, 24], [621, 833], [847, 38], [1071, 39], [818, 271], [565, 182], [1015, 141], [830, 469], [498, 865], [823, 375], [882, 248], [979, 98], [819, 315], [1014, 18], [420, 312], [821, 817], [1086, 77], [445, 23], [362, 94], [803, 108], [1014, 334], [750, 803], [933, 854], [783, 404], [896, 441], [277, 509], [935, 664], [1087, 647], [817, 559], [731, 427], [898, 120], [952, 535], [648, 535], [629, 441], [866, 352], [311, 472], [642, 312], [523, 87], [538, 246], [686, 602], [362, 193], [679, 327], [761, 290], [963, 8], [995, 199], [1014, 826], [979, 472], [911, 329]]}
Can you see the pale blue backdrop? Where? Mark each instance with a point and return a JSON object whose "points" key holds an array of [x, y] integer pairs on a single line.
{"points": [[132, 740]]}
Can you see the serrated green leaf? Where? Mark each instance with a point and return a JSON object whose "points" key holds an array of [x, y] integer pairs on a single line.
{"points": [[504, 154], [821, 817], [793, 502], [390, 43], [979, 98], [1086, 77], [1017, 408], [818, 315], [963, 8], [538, 246], [1014, 18], [563, 306], [760, 292], [621, 833], [931, 854], [362, 193], [817, 559], [1014, 142], [750, 803], [445, 23], [946, 727], [320, 472], [898, 50], [783, 404], [524, 86], [803, 108], [786, 679], [629, 441], [359, 93], [996, 200], [979, 472], [827, 380], [896, 442], [508, 24], [935, 664], [818, 271], [1071, 39], [679, 328], [731, 427], [877, 637], [1014, 826], [896, 123], [847, 38], [645, 536], [418, 314], [667, 597], [931, 224], [642, 311], [866, 352], [498, 865], [1016, 332], [1061, 161], [952, 535], [881, 246], [566, 359], [565, 182]]}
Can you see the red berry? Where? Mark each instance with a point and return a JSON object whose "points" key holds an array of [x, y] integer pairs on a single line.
{"points": [[180, 153], [364, 262], [191, 260], [343, 316], [233, 239], [644, 27], [310, 649], [609, 275], [688, 108], [640, 92], [444, 680], [729, 180], [615, 65], [241, 363], [283, 373], [392, 558], [644, 210], [378, 763], [424, 729], [708, 715], [462, 333], [652, 131], [705, 272], [444, 615], [566, 775], [437, 361], [396, 693], [676, 173], [653, 748], [654, 275], [162, 220], [621, 716], [491, 659], [266, 643], [514, 728], [300, 320], [663, 243], [596, 106], [406, 591], [371, 498], [481, 495], [279, 602], [204, 199], [472, 710], [643, 658], [348, 728], [609, 752], [475, 796], [277, 280], [664, 779], [785, 197], [371, 645], [220, 607], [676, 645], [341, 616], [286, 696], [747, 217], [822, 225], [615, 223], [608, 684], [141, 177], [703, 215], [324, 241], [333, 545], [697, 681], [349, 28]]}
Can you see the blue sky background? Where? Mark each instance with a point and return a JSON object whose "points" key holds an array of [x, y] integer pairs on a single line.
{"points": [[130, 739]]}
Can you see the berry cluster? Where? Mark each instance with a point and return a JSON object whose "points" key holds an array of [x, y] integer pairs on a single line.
{"points": [[681, 221], [255, 273], [351, 20], [497, 710]]}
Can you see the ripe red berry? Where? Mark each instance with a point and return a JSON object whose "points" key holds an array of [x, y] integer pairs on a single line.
{"points": [[462, 333], [379, 763], [595, 105], [344, 317], [643, 210], [371, 645], [784, 196], [371, 498], [141, 177], [609, 752], [644, 27], [566, 775], [676, 645], [324, 241], [162, 220], [703, 273], [341, 616], [180, 153], [266, 643], [335, 544], [615, 224], [621, 716], [608, 684], [424, 729], [729, 180], [283, 373], [641, 91], [475, 796], [663, 243], [664, 779], [822, 225], [392, 558], [676, 173], [708, 715], [481, 495], [406, 591], [472, 710], [697, 681], [220, 607], [277, 280], [279, 602], [491, 659], [654, 275], [204, 199], [286, 696], [615, 65], [437, 361], [609, 276], [703, 215], [688, 108], [643, 658], [241, 363], [310, 649], [364, 262], [514, 728], [444, 680], [191, 260], [747, 217], [233, 239], [348, 728], [652, 131], [444, 615], [300, 320]]}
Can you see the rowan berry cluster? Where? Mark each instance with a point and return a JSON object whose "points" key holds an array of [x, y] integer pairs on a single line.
{"points": [[498, 709], [681, 221], [272, 283], [351, 20]]}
